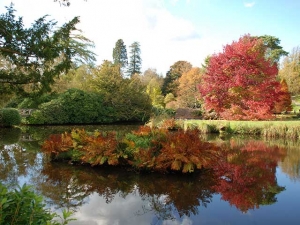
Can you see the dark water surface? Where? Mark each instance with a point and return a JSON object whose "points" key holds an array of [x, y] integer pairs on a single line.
{"points": [[259, 183]]}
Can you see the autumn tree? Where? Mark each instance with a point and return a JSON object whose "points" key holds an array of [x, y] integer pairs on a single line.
{"points": [[188, 92], [240, 83], [34, 56], [171, 83], [285, 101], [290, 71], [120, 54], [135, 60]]}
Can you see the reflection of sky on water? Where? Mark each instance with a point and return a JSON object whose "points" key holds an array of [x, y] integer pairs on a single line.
{"points": [[126, 210], [25, 166], [120, 211]]}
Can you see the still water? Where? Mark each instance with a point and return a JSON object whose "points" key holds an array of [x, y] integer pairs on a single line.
{"points": [[259, 183]]}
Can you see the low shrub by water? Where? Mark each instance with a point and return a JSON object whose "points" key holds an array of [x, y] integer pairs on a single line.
{"points": [[9, 117], [23, 206]]}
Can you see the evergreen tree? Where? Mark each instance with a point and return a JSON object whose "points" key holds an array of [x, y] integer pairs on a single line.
{"points": [[120, 54], [135, 61], [273, 49], [35, 56]]}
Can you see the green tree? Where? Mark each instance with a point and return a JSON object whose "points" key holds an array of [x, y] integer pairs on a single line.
{"points": [[290, 71], [135, 60], [273, 49], [127, 97], [155, 94], [107, 79], [171, 83], [120, 54], [206, 62], [79, 78], [36, 55]]}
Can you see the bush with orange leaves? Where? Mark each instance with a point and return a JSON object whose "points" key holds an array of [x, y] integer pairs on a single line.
{"points": [[153, 149]]}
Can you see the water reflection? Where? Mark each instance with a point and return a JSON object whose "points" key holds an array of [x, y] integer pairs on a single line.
{"points": [[67, 186], [245, 179]]}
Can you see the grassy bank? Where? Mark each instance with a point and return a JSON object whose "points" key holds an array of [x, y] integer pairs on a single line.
{"points": [[282, 129]]}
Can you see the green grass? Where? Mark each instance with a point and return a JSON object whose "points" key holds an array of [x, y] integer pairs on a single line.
{"points": [[276, 128], [296, 103]]}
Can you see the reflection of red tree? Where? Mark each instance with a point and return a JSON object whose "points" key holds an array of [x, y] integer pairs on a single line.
{"points": [[247, 178]]}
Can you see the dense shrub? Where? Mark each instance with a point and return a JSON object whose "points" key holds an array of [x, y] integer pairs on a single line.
{"points": [[78, 107], [14, 102], [31, 102], [9, 117], [72, 107]]}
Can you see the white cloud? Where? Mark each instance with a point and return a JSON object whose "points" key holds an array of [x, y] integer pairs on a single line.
{"points": [[249, 4], [164, 38]]}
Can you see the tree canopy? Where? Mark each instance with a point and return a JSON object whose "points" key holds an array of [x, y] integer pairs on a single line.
{"points": [[188, 93], [284, 103], [273, 49], [290, 71], [240, 82], [170, 84], [32, 57], [120, 54], [127, 97], [135, 60]]}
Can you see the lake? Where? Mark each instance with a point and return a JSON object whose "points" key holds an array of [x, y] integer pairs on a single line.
{"points": [[258, 183]]}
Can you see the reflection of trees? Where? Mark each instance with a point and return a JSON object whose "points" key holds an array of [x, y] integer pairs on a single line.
{"points": [[291, 164], [9, 136], [247, 177], [61, 186], [184, 193], [16, 161]]}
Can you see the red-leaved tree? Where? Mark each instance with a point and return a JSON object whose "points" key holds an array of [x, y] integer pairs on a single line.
{"points": [[285, 100], [240, 83]]}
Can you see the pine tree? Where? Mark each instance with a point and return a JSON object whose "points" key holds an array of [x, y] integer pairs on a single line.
{"points": [[120, 54], [135, 61]]}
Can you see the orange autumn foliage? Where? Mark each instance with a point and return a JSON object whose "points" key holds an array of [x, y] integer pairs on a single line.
{"points": [[284, 103]]}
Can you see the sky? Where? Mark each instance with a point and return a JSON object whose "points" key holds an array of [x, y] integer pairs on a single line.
{"points": [[170, 30]]}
